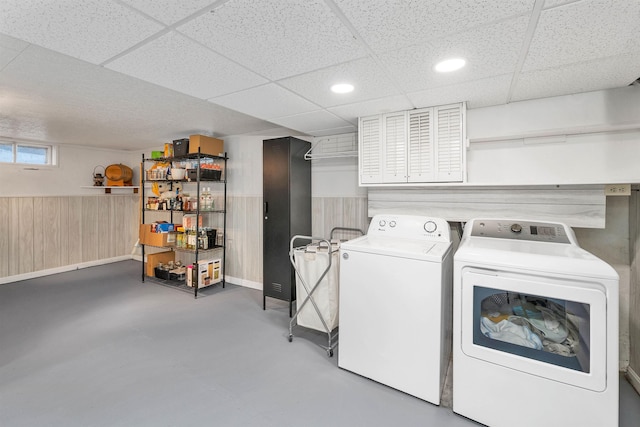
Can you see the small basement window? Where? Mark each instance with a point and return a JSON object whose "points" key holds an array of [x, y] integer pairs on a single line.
{"points": [[27, 153]]}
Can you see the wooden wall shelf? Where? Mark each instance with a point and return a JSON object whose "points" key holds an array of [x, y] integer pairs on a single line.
{"points": [[107, 189]]}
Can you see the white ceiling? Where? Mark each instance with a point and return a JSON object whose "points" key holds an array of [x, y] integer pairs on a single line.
{"points": [[132, 74]]}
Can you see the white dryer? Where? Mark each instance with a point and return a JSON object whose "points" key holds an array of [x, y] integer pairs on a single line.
{"points": [[395, 304], [535, 328]]}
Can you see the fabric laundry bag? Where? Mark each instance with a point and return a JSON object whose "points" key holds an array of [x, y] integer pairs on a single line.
{"points": [[310, 264]]}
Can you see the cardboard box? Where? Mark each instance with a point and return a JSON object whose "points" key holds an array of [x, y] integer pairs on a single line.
{"points": [[206, 144], [215, 271], [154, 259], [208, 272], [148, 237]]}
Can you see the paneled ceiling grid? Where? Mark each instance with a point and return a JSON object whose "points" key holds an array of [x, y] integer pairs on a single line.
{"points": [[274, 60]]}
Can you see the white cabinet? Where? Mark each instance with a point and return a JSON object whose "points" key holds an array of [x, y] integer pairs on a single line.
{"points": [[370, 149], [417, 146], [394, 147]]}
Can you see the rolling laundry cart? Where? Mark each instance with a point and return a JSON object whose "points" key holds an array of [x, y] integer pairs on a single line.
{"points": [[316, 266]]}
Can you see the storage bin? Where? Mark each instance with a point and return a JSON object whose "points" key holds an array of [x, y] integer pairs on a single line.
{"points": [[208, 174], [180, 147]]}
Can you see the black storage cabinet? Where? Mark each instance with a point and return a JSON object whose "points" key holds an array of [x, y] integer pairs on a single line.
{"points": [[286, 212]]}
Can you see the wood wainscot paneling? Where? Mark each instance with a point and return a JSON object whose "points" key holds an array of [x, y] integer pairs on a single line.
{"points": [[331, 212], [577, 206], [49, 232]]}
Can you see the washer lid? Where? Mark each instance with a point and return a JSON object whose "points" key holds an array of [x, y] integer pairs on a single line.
{"points": [[533, 256], [398, 247]]}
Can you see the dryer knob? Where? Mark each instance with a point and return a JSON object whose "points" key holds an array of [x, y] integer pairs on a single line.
{"points": [[345, 256], [392, 224], [382, 223], [430, 226], [516, 228]]}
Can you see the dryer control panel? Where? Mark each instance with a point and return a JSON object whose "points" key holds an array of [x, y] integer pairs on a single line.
{"points": [[521, 230], [410, 227]]}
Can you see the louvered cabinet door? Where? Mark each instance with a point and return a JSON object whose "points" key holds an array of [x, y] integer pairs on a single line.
{"points": [[449, 143], [421, 148], [370, 149], [394, 147]]}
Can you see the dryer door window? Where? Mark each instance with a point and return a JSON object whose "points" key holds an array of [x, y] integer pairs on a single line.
{"points": [[550, 327], [549, 330]]}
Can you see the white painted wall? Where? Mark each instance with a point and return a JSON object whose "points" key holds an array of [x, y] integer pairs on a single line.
{"points": [[337, 177], [330, 177], [611, 244], [74, 170], [244, 176], [604, 110], [588, 138]]}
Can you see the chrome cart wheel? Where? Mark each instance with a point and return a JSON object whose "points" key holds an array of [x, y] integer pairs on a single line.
{"points": [[290, 337], [330, 352]]}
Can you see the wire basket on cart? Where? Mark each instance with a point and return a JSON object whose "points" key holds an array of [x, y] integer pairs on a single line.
{"points": [[317, 285]]}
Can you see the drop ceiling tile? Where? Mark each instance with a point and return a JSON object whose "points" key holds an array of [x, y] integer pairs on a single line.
{"points": [[477, 93], [175, 62], [392, 24], [91, 30], [583, 31], [276, 38], [266, 101], [315, 120], [365, 74], [6, 56], [168, 11], [334, 131], [490, 51], [609, 73], [12, 43], [10, 48], [548, 4], [51, 97], [389, 104]]}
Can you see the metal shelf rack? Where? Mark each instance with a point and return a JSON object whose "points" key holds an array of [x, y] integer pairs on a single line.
{"points": [[198, 158]]}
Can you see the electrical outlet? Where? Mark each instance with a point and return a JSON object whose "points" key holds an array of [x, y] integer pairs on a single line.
{"points": [[617, 190]]}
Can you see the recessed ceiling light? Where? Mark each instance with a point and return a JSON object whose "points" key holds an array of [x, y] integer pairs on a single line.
{"points": [[449, 65], [342, 88]]}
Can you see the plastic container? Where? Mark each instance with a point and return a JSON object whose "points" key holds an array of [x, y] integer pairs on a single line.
{"points": [[178, 173]]}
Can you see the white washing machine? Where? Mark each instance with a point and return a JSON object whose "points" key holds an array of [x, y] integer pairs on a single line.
{"points": [[535, 328], [395, 304]]}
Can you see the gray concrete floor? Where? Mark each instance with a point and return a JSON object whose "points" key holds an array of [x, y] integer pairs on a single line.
{"points": [[97, 347]]}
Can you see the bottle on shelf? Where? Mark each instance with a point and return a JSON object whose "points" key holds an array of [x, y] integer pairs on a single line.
{"points": [[203, 199], [209, 200], [192, 238], [178, 203]]}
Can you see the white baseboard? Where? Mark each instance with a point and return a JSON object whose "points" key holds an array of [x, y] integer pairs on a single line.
{"points": [[71, 267], [243, 282], [634, 379], [63, 269]]}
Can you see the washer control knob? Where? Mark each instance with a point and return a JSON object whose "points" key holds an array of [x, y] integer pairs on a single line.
{"points": [[516, 228], [430, 226], [345, 256], [392, 223], [382, 223]]}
